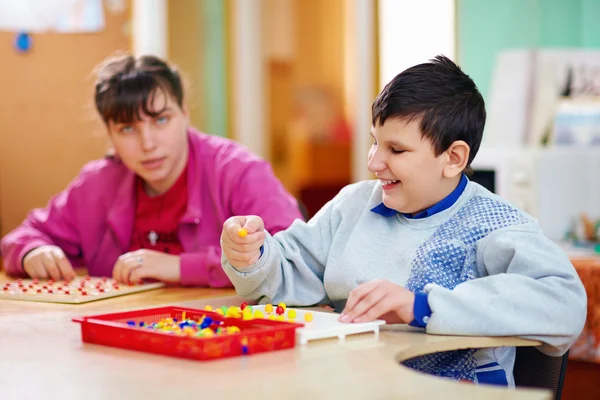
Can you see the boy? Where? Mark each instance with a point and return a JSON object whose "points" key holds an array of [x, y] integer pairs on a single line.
{"points": [[422, 244]]}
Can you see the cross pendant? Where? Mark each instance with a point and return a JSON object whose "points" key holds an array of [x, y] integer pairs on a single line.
{"points": [[152, 237]]}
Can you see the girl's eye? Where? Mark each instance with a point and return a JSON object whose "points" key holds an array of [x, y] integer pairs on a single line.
{"points": [[395, 151], [126, 129], [162, 120]]}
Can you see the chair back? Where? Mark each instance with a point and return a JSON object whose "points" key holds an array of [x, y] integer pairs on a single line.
{"points": [[536, 369]]}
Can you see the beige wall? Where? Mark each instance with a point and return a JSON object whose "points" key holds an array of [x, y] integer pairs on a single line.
{"points": [[185, 44], [48, 126]]}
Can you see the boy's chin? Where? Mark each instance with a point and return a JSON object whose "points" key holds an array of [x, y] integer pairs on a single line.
{"points": [[390, 203], [396, 205]]}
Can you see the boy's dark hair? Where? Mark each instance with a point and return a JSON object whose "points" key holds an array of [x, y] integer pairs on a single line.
{"points": [[126, 86], [443, 97]]}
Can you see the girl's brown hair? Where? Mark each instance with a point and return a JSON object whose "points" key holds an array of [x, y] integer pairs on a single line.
{"points": [[126, 86]]}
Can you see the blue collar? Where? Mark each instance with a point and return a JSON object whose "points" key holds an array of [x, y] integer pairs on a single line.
{"points": [[442, 205]]}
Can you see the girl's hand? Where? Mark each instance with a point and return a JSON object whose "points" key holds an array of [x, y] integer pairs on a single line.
{"points": [[134, 266], [48, 262]]}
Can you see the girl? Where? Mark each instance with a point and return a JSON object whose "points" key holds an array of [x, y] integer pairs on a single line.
{"points": [[155, 208]]}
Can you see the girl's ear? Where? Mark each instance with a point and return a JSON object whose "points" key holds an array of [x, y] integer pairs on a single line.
{"points": [[111, 153]]}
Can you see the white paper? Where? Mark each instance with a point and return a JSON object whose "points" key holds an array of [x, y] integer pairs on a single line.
{"points": [[65, 16]]}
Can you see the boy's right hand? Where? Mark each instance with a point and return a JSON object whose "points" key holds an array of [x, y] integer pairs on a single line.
{"points": [[243, 250], [48, 262]]}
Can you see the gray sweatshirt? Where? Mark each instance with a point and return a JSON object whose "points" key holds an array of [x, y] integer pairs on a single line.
{"points": [[486, 269]]}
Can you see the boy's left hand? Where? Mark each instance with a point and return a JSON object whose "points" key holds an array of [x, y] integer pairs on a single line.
{"points": [[134, 266], [379, 299]]}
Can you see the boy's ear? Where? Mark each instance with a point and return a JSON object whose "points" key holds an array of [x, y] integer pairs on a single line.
{"points": [[458, 157]]}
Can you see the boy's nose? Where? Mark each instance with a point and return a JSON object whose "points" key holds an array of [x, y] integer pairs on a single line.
{"points": [[376, 163]]}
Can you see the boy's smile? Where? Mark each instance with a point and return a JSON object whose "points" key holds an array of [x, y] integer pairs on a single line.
{"points": [[412, 177], [388, 184]]}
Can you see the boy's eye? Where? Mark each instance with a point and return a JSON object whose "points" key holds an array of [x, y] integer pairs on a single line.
{"points": [[162, 120], [396, 151], [126, 129], [374, 142]]}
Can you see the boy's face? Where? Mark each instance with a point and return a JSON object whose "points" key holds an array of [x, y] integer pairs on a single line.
{"points": [[404, 161], [155, 148]]}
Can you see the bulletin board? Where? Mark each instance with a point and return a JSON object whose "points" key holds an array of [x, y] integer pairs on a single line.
{"points": [[48, 125]]}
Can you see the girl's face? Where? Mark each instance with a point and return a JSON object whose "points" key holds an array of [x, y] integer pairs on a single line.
{"points": [[155, 148]]}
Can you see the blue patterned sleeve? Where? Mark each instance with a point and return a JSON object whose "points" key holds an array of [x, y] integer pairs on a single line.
{"points": [[528, 288]]}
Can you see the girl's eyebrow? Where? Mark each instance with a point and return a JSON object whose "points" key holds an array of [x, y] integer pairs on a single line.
{"points": [[164, 110]]}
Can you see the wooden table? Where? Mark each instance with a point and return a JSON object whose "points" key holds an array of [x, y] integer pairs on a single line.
{"points": [[42, 356]]}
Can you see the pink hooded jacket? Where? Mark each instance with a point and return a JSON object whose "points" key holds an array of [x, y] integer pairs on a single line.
{"points": [[92, 219]]}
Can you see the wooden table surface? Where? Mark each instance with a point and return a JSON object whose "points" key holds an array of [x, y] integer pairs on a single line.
{"points": [[42, 356]]}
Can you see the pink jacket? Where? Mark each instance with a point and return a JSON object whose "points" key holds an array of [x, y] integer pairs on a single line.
{"points": [[92, 220]]}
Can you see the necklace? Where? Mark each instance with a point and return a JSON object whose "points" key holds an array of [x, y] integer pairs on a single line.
{"points": [[153, 237]]}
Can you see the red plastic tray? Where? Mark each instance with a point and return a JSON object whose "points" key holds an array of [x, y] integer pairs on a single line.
{"points": [[255, 336]]}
